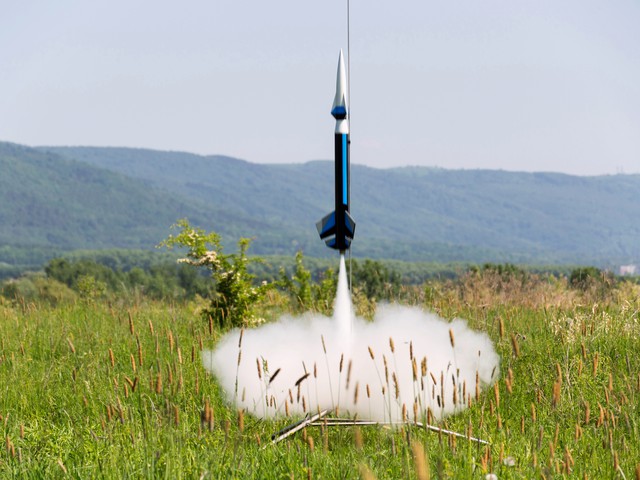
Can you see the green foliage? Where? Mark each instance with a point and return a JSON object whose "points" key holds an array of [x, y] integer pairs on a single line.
{"points": [[585, 277], [377, 281], [303, 292], [595, 282], [37, 288], [73, 404], [155, 280], [90, 289], [298, 286], [235, 298]]}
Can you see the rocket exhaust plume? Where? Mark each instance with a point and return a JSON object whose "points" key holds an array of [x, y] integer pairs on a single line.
{"points": [[403, 366]]}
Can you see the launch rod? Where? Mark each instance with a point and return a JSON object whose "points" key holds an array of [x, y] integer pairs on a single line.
{"points": [[335, 422], [291, 429]]}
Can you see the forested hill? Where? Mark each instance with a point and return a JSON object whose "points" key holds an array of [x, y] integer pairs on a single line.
{"points": [[409, 213], [50, 204], [84, 197]]}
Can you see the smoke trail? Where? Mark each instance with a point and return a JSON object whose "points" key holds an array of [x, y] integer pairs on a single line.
{"points": [[404, 364]]}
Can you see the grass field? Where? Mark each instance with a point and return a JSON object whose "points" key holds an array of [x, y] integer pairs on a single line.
{"points": [[116, 389]]}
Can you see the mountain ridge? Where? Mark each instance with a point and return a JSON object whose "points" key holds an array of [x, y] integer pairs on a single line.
{"points": [[406, 213]]}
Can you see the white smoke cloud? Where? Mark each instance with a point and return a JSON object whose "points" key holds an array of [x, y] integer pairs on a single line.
{"points": [[404, 362]]}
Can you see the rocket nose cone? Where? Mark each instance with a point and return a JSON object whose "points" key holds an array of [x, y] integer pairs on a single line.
{"points": [[339, 108]]}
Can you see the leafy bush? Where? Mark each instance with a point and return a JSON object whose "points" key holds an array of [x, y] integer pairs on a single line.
{"points": [[305, 294], [375, 280], [32, 287], [235, 298]]}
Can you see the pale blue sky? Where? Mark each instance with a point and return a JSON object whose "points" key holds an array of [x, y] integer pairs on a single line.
{"points": [[542, 85]]}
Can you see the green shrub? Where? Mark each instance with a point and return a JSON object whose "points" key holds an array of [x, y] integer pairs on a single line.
{"points": [[235, 298]]}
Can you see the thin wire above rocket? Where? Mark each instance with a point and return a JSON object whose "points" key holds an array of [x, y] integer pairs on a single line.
{"points": [[337, 228]]}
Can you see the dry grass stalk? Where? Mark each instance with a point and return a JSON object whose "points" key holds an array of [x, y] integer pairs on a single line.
{"points": [[392, 345], [555, 398], [112, 359], [508, 381], [452, 338], [420, 461], [396, 386], [357, 438], [241, 420], [587, 413], [140, 362], [71, 347], [515, 346], [171, 341], [365, 472], [132, 328], [501, 327]]}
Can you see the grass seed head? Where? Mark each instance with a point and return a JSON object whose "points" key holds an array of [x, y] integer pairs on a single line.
{"points": [[420, 461], [357, 438], [241, 420]]}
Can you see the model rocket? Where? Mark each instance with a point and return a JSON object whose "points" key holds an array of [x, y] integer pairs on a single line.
{"points": [[337, 228]]}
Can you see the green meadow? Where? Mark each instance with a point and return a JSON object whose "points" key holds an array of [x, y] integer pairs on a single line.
{"points": [[112, 386]]}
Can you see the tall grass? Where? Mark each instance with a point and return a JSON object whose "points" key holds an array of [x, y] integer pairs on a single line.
{"points": [[99, 390]]}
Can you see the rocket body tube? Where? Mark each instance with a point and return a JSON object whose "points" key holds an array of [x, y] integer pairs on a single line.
{"points": [[337, 228]]}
